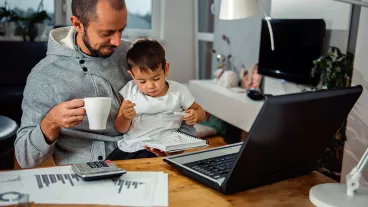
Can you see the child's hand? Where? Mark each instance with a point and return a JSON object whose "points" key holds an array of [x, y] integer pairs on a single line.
{"points": [[191, 117], [128, 111]]}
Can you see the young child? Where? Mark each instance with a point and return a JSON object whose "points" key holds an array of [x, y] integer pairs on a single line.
{"points": [[149, 100]]}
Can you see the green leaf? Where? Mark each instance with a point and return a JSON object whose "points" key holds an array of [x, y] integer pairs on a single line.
{"points": [[334, 69]]}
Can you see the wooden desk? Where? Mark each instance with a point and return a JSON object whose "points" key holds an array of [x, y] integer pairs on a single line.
{"points": [[188, 193]]}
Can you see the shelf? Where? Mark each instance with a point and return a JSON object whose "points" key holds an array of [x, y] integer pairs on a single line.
{"points": [[232, 107], [20, 38]]}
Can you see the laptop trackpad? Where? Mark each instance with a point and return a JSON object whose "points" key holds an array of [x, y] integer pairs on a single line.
{"points": [[206, 154]]}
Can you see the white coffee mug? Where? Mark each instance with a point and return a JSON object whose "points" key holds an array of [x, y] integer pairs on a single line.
{"points": [[97, 110]]}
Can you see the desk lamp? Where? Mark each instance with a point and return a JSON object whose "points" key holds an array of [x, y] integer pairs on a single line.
{"points": [[344, 195], [356, 2], [238, 9]]}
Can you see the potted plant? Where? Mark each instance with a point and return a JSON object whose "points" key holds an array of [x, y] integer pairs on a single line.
{"points": [[9, 19], [36, 22], [333, 71]]}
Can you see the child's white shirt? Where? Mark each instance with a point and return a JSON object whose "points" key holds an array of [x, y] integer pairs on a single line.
{"points": [[154, 117]]}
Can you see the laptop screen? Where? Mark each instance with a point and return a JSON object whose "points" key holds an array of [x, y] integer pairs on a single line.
{"points": [[291, 132]]}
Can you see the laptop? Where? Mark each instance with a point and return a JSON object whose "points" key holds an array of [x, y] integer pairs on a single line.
{"points": [[287, 138]]}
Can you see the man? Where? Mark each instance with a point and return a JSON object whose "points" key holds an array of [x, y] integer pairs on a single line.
{"points": [[85, 60]]}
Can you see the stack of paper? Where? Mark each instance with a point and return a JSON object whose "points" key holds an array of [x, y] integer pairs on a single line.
{"points": [[60, 185]]}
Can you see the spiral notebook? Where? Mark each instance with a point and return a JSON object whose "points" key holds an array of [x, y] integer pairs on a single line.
{"points": [[176, 141]]}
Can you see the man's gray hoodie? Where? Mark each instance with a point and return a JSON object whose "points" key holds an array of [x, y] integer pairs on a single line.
{"points": [[65, 74]]}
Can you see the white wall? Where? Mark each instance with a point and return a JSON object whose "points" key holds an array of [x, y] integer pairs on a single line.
{"points": [[244, 35], [179, 39], [357, 128], [335, 14]]}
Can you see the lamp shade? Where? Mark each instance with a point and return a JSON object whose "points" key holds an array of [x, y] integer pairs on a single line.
{"points": [[238, 9]]}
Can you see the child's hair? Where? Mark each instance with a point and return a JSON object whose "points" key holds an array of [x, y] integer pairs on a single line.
{"points": [[146, 54]]}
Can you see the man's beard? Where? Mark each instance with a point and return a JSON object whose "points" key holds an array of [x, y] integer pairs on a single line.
{"points": [[93, 51]]}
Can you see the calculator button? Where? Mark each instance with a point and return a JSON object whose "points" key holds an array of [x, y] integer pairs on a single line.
{"points": [[97, 164], [104, 164], [91, 164]]}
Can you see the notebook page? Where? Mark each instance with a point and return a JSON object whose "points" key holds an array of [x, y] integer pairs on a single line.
{"points": [[176, 139]]}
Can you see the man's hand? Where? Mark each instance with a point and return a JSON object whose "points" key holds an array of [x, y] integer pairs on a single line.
{"points": [[191, 117], [127, 110], [160, 153], [64, 115]]}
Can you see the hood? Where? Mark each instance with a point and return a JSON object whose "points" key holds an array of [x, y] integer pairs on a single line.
{"points": [[61, 42]]}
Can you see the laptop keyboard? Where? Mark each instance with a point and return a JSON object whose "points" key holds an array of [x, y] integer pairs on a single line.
{"points": [[216, 167]]}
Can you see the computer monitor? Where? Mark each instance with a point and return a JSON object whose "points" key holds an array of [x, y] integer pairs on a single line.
{"points": [[298, 42]]}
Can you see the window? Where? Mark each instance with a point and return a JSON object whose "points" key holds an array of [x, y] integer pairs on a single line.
{"points": [[139, 19], [139, 14], [205, 27], [25, 9], [205, 17], [145, 19], [205, 59]]}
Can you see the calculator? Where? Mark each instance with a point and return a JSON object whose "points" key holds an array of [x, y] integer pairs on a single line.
{"points": [[97, 170]]}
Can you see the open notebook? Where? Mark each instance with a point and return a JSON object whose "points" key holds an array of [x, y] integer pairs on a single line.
{"points": [[175, 141]]}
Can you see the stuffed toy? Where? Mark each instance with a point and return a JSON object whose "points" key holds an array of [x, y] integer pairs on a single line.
{"points": [[226, 78]]}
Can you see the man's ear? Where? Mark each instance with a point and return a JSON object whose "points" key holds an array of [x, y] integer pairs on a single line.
{"points": [[131, 74], [167, 69], [77, 24]]}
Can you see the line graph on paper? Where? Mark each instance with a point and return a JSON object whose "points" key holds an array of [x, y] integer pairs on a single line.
{"points": [[129, 186], [10, 179]]}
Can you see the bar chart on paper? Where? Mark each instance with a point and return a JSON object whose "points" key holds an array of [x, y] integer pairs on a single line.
{"points": [[44, 186], [128, 185], [45, 180]]}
